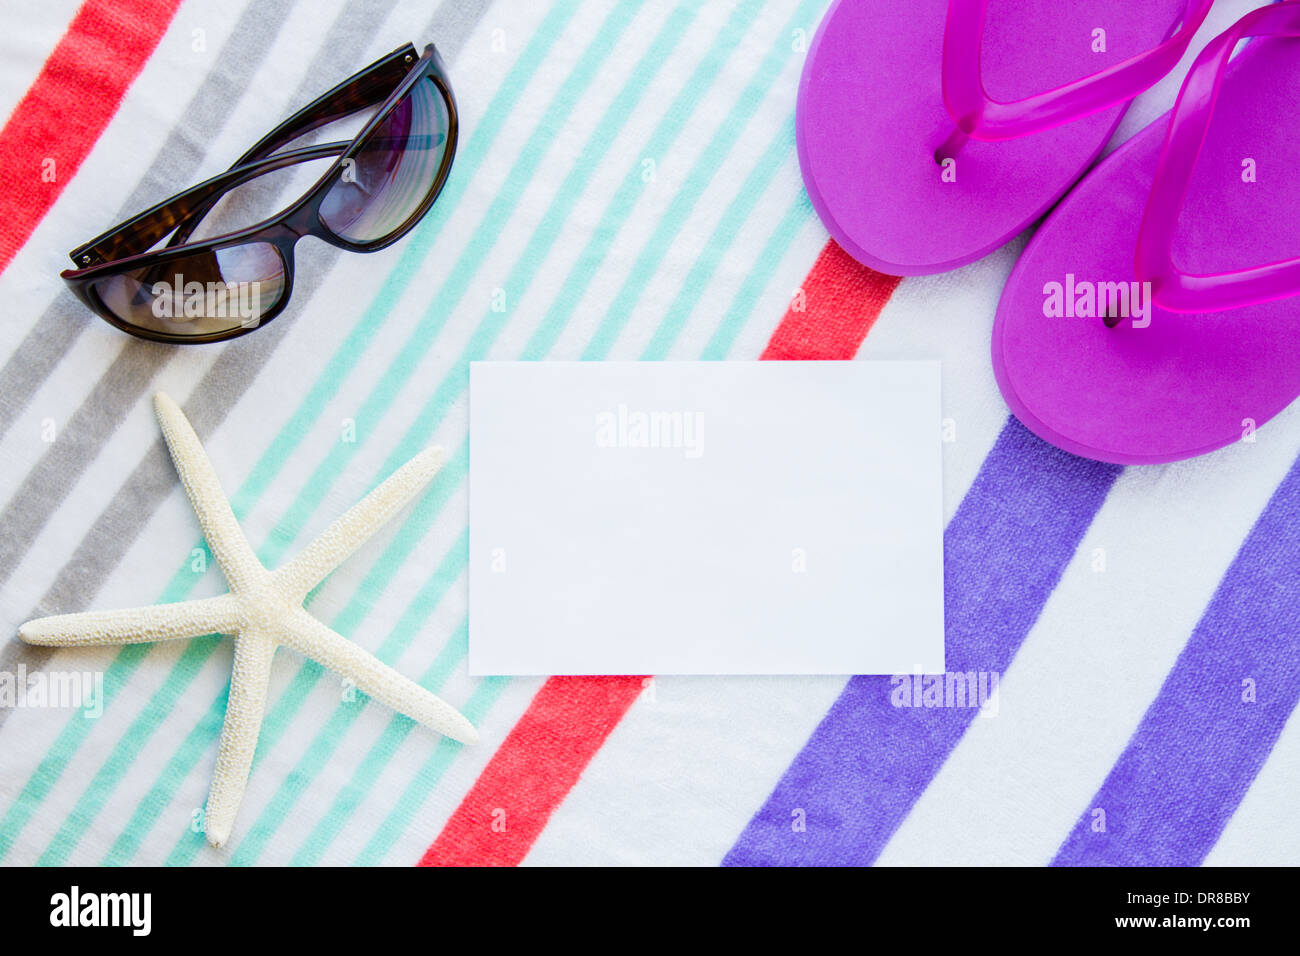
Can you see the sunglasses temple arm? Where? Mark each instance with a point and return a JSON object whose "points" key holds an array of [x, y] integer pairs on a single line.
{"points": [[142, 232], [369, 87]]}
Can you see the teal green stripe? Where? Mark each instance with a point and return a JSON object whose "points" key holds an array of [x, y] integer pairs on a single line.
{"points": [[728, 227], [47, 772], [127, 747], [427, 777], [376, 760], [665, 134], [744, 201], [477, 148], [765, 268], [196, 742], [672, 221]]}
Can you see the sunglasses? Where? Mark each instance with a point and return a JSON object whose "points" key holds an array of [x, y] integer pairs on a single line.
{"points": [[379, 185]]}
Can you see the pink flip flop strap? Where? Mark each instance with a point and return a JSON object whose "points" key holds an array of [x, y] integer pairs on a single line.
{"points": [[1173, 289], [982, 118]]}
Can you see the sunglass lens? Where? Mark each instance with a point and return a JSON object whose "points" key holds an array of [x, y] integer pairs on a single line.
{"points": [[207, 293], [382, 187]]}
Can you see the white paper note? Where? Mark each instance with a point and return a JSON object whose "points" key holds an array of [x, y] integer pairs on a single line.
{"points": [[705, 518]]}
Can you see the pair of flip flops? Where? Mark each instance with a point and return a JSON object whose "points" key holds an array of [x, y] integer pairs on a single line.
{"points": [[1151, 318]]}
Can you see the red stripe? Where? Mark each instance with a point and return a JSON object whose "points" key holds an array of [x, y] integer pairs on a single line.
{"points": [[833, 311], [548, 749], [533, 771], [51, 131]]}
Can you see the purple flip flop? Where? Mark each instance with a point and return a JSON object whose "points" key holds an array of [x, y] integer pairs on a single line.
{"points": [[909, 186], [1148, 320]]}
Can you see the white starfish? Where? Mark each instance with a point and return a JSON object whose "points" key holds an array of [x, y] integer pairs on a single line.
{"points": [[263, 611]]}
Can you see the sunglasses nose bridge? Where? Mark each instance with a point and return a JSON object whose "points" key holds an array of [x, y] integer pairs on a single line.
{"points": [[300, 223]]}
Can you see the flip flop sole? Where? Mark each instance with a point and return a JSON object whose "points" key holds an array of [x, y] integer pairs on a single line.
{"points": [[870, 117], [1184, 384]]}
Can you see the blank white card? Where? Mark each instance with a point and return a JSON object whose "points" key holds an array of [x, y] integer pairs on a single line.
{"points": [[705, 518]]}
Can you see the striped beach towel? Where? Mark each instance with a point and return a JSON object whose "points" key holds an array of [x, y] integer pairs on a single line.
{"points": [[626, 188]]}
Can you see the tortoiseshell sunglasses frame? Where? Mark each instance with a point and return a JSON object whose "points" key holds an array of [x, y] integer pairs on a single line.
{"points": [[124, 247]]}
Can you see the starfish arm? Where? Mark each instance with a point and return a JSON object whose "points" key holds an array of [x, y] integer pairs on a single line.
{"points": [[332, 650], [337, 542], [249, 680], [224, 536], [135, 625]]}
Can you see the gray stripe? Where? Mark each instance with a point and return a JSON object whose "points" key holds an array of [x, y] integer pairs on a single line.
{"points": [[108, 539]]}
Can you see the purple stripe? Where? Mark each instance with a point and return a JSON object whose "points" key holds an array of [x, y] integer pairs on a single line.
{"points": [[868, 761], [1201, 743]]}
